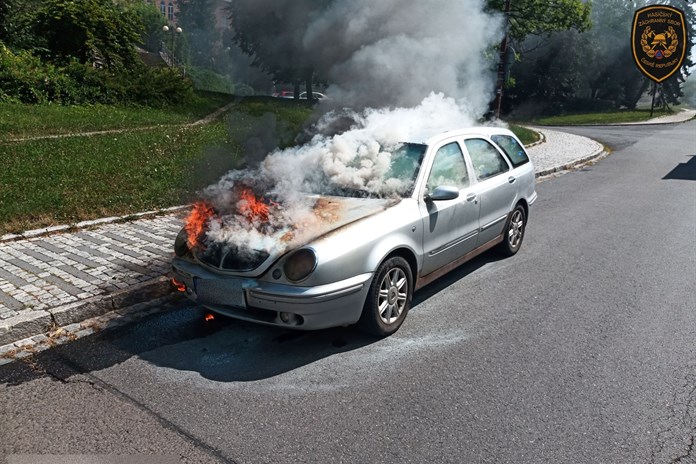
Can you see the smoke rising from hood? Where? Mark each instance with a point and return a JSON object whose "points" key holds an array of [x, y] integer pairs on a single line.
{"points": [[358, 160], [423, 63], [380, 54], [394, 53]]}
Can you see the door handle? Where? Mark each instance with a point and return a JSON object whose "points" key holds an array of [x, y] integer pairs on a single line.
{"points": [[511, 179], [471, 197]]}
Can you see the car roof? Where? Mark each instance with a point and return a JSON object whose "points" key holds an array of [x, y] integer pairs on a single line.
{"points": [[467, 132]]}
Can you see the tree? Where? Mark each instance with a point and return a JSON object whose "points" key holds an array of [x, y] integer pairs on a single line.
{"points": [[5, 8], [595, 68], [152, 21], [272, 33], [95, 31], [536, 17], [197, 18]]}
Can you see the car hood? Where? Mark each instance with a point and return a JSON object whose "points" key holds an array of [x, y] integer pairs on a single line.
{"points": [[328, 214]]}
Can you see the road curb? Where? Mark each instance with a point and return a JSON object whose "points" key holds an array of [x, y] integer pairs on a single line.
{"points": [[39, 322], [574, 164]]}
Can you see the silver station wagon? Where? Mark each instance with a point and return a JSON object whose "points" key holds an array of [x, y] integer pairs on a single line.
{"points": [[467, 191]]}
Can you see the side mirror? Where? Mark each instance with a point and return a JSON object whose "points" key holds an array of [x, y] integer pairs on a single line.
{"points": [[442, 193]]}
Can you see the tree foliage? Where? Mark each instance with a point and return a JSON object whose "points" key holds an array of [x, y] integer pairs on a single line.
{"points": [[592, 70], [272, 32], [535, 17], [90, 30], [70, 52]]}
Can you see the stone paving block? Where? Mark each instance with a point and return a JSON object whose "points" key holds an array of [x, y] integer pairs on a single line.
{"points": [[9, 302], [12, 278], [22, 264], [63, 285], [78, 311], [37, 255], [41, 338], [25, 324], [127, 252], [46, 245], [118, 238], [90, 238], [4, 349], [94, 252], [78, 273], [84, 332], [130, 266]]}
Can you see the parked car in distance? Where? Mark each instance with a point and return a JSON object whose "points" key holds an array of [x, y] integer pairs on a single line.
{"points": [[316, 95], [465, 192], [284, 94]]}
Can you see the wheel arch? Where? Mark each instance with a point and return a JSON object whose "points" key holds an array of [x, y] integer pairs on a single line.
{"points": [[410, 258]]}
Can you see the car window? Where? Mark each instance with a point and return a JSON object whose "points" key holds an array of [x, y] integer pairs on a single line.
{"points": [[512, 149], [406, 160], [448, 168], [486, 159]]}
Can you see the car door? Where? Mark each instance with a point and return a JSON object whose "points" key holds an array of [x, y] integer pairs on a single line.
{"points": [[450, 225], [495, 188]]}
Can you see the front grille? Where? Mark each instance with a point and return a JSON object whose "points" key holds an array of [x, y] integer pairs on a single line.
{"points": [[232, 258]]}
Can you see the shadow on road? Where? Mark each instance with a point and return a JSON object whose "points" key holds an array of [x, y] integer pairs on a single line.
{"points": [[683, 171], [222, 350]]}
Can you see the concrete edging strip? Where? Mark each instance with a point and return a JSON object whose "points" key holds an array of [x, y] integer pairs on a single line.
{"points": [[38, 322]]}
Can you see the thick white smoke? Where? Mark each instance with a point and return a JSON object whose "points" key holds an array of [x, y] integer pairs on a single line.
{"points": [[409, 69], [396, 52]]}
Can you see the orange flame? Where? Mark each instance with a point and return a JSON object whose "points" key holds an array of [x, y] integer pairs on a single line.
{"points": [[251, 207], [195, 222], [180, 286], [209, 317]]}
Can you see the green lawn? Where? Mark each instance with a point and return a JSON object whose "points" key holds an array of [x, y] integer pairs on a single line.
{"points": [[526, 136], [18, 120], [57, 181], [600, 118], [65, 180]]}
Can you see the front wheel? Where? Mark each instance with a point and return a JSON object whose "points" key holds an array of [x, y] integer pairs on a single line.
{"points": [[388, 299], [514, 232]]}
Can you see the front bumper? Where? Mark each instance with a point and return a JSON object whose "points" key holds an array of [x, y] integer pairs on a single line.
{"points": [[307, 308]]}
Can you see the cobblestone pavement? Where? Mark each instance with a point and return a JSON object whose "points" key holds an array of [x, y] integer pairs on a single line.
{"points": [[45, 280], [45, 272], [42, 275]]}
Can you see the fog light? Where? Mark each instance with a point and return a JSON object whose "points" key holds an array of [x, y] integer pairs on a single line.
{"points": [[277, 274], [287, 317]]}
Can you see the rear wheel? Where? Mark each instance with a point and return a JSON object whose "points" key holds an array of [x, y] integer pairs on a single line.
{"points": [[514, 232], [388, 299]]}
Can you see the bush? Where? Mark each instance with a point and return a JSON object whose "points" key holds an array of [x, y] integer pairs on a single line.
{"points": [[25, 78], [205, 79]]}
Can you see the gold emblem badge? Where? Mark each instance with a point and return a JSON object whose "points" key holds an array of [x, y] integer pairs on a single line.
{"points": [[658, 41]]}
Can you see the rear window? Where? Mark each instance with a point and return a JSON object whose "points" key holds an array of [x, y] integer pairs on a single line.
{"points": [[512, 148]]}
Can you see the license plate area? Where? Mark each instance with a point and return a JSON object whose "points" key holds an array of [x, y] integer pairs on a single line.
{"points": [[220, 292]]}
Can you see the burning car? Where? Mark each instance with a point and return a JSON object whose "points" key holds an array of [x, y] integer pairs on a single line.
{"points": [[352, 256]]}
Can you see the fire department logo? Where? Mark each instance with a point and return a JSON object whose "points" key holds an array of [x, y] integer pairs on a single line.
{"points": [[658, 41]]}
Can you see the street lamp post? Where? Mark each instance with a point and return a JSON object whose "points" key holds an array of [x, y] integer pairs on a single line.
{"points": [[173, 38]]}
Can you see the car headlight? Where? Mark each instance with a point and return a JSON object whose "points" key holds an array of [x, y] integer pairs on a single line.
{"points": [[300, 264], [181, 243]]}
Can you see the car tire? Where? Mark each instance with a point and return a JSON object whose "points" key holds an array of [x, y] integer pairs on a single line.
{"points": [[514, 232], [388, 299]]}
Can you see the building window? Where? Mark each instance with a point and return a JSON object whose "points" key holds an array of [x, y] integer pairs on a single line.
{"points": [[163, 8], [170, 11]]}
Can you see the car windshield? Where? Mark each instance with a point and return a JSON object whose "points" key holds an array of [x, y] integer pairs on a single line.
{"points": [[405, 163]]}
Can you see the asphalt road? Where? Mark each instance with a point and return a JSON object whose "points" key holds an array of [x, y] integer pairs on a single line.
{"points": [[580, 349]]}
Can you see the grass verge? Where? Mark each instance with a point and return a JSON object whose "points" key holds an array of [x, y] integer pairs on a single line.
{"points": [[526, 136], [47, 182], [600, 118], [20, 121]]}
